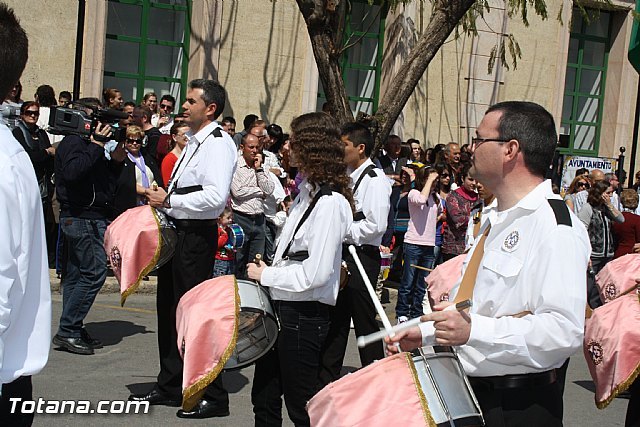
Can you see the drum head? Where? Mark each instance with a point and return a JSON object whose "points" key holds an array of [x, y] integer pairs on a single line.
{"points": [[257, 334]]}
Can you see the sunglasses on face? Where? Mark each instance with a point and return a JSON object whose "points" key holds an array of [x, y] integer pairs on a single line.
{"points": [[32, 113], [134, 141], [445, 175], [584, 184], [166, 107]]}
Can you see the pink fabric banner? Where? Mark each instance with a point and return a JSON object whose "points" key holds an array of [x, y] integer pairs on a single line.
{"points": [[617, 276], [442, 278], [207, 325], [385, 393], [133, 244], [612, 346]]}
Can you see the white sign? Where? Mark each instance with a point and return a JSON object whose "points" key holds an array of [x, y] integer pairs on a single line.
{"points": [[573, 163]]}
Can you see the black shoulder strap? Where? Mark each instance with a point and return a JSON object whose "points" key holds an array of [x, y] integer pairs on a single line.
{"points": [[324, 190], [369, 170], [216, 133], [561, 211]]}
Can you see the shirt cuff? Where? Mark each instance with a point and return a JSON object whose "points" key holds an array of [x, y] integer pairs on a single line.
{"points": [[482, 330], [268, 276], [428, 333]]}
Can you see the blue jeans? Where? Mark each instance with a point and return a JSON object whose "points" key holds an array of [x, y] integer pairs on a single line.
{"points": [[86, 271], [223, 267], [412, 287]]}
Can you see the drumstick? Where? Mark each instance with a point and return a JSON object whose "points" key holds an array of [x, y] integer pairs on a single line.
{"points": [[257, 259], [421, 268], [365, 340], [372, 293]]}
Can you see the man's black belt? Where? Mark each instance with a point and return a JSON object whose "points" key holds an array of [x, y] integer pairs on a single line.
{"points": [[246, 215], [538, 379], [194, 223], [362, 249]]}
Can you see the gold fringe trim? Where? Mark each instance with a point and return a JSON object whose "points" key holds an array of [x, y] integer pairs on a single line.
{"points": [[428, 418], [192, 394], [622, 386], [147, 269]]}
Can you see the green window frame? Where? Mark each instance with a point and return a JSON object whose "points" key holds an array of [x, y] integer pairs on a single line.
{"points": [[139, 72], [585, 82], [368, 36]]}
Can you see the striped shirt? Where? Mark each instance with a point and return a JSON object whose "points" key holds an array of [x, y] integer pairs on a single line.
{"points": [[249, 188]]}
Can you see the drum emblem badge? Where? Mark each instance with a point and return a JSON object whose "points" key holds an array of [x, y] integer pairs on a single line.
{"points": [[610, 291], [511, 241], [595, 351], [116, 258]]}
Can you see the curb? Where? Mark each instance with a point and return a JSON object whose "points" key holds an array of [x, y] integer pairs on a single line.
{"points": [[111, 285]]}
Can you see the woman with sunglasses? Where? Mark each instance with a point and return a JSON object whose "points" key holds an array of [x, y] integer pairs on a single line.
{"points": [[444, 188], [35, 142], [138, 172], [579, 183]]}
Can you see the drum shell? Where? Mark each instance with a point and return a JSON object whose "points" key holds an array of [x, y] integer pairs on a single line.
{"points": [[253, 342], [450, 379]]}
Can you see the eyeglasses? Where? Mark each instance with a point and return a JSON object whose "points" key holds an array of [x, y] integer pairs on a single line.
{"points": [[166, 107], [584, 184], [444, 175], [134, 141], [476, 142], [32, 113]]}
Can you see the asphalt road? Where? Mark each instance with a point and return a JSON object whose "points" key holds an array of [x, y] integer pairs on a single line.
{"points": [[129, 363]]}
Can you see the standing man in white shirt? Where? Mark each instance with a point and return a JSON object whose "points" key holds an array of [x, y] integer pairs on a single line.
{"points": [[197, 194], [529, 297], [303, 280], [25, 296], [371, 193]]}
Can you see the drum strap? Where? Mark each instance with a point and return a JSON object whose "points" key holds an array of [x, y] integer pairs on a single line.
{"points": [[216, 133], [465, 291], [324, 190]]}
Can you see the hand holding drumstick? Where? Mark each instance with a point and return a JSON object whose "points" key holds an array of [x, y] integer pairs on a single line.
{"points": [[255, 268]]}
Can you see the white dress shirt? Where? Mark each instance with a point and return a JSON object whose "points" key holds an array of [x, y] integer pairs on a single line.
{"points": [[272, 201], [25, 293], [316, 278], [530, 263], [212, 166], [372, 198]]}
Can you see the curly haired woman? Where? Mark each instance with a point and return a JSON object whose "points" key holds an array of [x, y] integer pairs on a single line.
{"points": [[304, 278]]}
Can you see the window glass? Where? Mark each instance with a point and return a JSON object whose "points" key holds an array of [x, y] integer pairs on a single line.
{"points": [[123, 19]]}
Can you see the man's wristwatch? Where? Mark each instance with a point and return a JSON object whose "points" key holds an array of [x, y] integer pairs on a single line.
{"points": [[167, 202], [259, 170]]}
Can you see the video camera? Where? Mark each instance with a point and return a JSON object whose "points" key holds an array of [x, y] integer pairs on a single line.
{"points": [[71, 121]]}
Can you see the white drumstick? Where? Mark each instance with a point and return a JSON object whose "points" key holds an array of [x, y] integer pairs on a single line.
{"points": [[365, 340], [372, 292]]}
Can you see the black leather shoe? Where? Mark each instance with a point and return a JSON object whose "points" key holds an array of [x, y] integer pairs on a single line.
{"points": [[93, 343], [73, 345], [155, 398], [205, 409]]}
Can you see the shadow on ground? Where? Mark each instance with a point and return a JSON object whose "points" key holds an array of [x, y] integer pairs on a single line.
{"points": [[112, 332]]}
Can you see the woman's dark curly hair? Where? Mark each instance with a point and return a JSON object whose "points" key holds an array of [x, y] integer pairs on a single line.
{"points": [[319, 152], [594, 197]]}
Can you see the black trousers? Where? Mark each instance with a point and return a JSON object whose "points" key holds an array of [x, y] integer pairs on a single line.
{"points": [[291, 367], [191, 265], [632, 418], [20, 387], [354, 302], [523, 406], [254, 240]]}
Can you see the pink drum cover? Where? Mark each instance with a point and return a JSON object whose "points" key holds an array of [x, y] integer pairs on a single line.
{"points": [[207, 325], [442, 278], [617, 276], [612, 346], [385, 393], [132, 242]]}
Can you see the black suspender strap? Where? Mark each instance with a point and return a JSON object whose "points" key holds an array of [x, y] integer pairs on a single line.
{"points": [[369, 170], [216, 133], [324, 190], [561, 211]]}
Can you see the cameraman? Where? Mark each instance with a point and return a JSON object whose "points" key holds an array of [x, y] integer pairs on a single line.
{"points": [[85, 183]]}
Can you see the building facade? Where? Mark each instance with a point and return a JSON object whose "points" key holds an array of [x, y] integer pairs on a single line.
{"points": [[259, 50]]}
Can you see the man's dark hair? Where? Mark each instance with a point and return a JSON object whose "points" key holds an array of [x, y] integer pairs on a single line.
{"points": [[358, 134], [249, 119], [581, 171], [143, 111], [212, 93], [46, 96], [169, 98], [65, 94], [229, 119], [129, 104], [534, 128], [89, 102], [275, 132], [14, 48]]}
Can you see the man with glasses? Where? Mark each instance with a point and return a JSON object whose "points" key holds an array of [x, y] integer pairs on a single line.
{"points": [[525, 276], [165, 120], [142, 117]]}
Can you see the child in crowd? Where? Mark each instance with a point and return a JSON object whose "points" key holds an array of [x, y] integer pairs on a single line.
{"points": [[225, 255]]}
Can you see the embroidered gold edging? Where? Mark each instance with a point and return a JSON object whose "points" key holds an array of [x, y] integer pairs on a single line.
{"points": [[145, 271], [192, 394], [625, 384], [428, 419]]}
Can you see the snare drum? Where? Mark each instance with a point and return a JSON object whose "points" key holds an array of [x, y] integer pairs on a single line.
{"points": [[169, 238], [447, 389], [236, 237], [257, 326]]}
